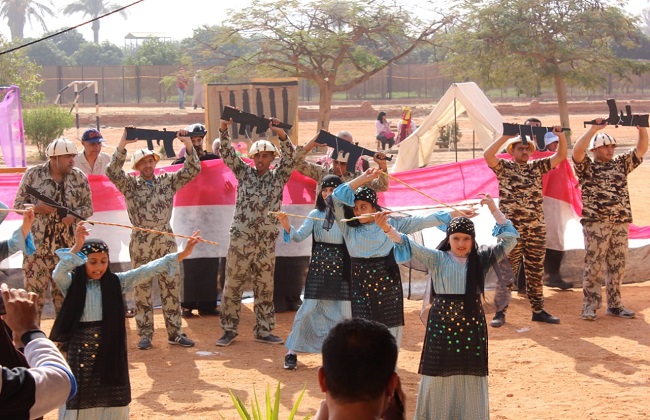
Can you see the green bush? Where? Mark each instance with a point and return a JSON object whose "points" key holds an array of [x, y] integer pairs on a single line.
{"points": [[44, 124]]}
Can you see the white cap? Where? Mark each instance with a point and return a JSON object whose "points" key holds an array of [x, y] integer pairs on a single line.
{"points": [[549, 138], [342, 157], [517, 139], [142, 153]]}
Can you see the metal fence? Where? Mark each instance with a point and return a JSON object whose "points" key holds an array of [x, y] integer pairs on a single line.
{"points": [[143, 85]]}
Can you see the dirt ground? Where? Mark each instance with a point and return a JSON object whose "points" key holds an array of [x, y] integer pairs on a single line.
{"points": [[575, 370]]}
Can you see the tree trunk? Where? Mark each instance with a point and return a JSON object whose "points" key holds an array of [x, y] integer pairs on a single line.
{"points": [[563, 105], [324, 107], [16, 27], [95, 28]]}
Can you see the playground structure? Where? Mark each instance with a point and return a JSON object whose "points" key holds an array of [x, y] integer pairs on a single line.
{"points": [[78, 87]]}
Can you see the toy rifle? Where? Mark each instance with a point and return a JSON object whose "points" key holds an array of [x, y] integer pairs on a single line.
{"points": [[62, 211], [617, 117], [246, 119], [528, 132], [150, 135], [343, 146]]}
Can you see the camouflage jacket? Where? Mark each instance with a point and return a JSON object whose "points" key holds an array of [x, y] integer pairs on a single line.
{"points": [[74, 193]]}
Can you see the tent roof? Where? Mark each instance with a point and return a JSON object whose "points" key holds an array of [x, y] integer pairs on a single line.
{"points": [[415, 151]]}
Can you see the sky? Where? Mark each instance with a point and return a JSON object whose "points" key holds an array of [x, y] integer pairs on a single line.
{"points": [[175, 18]]}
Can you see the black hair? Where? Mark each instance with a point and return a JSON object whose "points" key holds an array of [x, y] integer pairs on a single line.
{"points": [[531, 120], [381, 114], [359, 358]]}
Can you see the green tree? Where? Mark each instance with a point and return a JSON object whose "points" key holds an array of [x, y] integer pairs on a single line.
{"points": [[47, 53], [332, 43], [154, 52], [68, 42], [104, 54], [92, 9], [524, 43], [17, 69], [17, 12]]}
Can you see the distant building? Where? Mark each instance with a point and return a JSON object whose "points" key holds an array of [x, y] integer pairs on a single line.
{"points": [[132, 40]]}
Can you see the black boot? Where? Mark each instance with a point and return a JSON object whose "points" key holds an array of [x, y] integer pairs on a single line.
{"points": [[552, 277]]}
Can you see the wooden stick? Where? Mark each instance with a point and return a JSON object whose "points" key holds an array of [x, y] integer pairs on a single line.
{"points": [[149, 230], [421, 192], [13, 210], [277, 213], [362, 216]]}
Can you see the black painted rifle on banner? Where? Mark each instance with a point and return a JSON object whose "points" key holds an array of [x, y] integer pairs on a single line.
{"points": [[617, 117], [150, 135], [528, 132], [61, 210], [339, 144], [248, 121]]}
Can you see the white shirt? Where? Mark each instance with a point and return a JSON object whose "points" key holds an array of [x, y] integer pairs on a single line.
{"points": [[102, 161]]}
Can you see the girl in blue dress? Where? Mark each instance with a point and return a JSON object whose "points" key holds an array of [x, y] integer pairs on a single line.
{"points": [[375, 284], [327, 287], [454, 361], [91, 321]]}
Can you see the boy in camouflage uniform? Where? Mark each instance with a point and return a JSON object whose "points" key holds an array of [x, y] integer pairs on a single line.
{"points": [[253, 232], [149, 202], [521, 200], [606, 215], [67, 185]]}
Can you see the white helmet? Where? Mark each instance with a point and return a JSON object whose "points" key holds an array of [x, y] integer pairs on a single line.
{"points": [[510, 144], [601, 139], [262, 146], [140, 154], [61, 147]]}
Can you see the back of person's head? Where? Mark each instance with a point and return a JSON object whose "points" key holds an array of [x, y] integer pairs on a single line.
{"points": [[359, 358]]}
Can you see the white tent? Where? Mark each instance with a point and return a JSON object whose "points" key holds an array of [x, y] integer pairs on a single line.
{"points": [[415, 151]]}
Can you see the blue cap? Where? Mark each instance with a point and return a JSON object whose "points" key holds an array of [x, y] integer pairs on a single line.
{"points": [[92, 136]]}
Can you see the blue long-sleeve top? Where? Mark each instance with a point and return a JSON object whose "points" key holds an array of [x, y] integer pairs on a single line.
{"points": [[16, 243], [332, 236], [447, 272], [62, 275], [369, 240]]}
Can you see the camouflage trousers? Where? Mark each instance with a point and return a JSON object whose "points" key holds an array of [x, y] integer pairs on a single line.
{"points": [[531, 245], [244, 261], [144, 249], [606, 245], [38, 277]]}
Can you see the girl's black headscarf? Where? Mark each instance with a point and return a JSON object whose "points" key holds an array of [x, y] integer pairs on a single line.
{"points": [[111, 356], [362, 193], [475, 277], [328, 181]]}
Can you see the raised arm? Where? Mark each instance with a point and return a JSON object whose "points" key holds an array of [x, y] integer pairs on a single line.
{"points": [[581, 146], [642, 142], [561, 152], [490, 154]]}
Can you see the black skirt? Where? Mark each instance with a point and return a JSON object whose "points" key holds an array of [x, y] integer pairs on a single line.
{"points": [[376, 290], [91, 392], [455, 342], [329, 272]]}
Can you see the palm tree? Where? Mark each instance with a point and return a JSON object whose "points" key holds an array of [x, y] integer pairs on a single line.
{"points": [[92, 8], [17, 12]]}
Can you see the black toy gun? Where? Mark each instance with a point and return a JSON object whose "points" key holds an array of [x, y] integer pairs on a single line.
{"points": [[343, 146], [62, 211], [246, 119], [528, 133], [617, 117], [150, 135]]}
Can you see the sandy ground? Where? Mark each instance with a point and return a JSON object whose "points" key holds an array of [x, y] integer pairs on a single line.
{"points": [[575, 370]]}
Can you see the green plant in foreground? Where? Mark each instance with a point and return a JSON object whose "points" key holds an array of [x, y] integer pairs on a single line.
{"points": [[272, 408]]}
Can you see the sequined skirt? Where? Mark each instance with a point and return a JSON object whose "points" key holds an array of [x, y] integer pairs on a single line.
{"points": [[329, 272], [91, 392], [455, 343], [376, 290]]}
